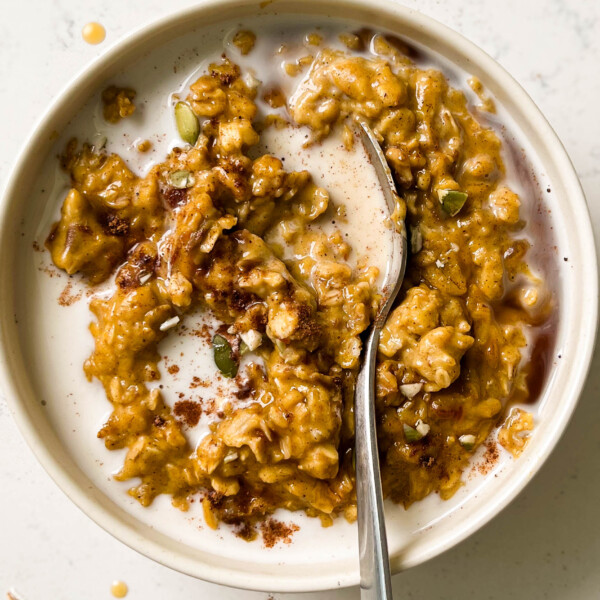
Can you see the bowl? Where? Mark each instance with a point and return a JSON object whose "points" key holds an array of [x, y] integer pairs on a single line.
{"points": [[40, 344]]}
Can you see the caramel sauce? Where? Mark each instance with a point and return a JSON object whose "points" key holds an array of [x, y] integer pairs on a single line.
{"points": [[539, 364], [93, 33]]}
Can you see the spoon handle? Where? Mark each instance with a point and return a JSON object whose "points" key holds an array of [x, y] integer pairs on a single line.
{"points": [[375, 580]]}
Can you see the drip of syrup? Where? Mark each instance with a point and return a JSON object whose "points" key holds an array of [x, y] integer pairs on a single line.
{"points": [[119, 589], [93, 33]]}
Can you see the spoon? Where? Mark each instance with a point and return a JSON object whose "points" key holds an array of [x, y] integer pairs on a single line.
{"points": [[375, 579], [350, 177]]}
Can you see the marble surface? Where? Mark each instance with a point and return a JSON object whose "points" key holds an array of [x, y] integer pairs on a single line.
{"points": [[545, 545]]}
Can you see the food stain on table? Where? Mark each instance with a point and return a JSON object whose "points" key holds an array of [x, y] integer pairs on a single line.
{"points": [[93, 33], [119, 589]]}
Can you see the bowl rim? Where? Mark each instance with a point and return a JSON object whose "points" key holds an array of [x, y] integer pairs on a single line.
{"points": [[257, 580]]}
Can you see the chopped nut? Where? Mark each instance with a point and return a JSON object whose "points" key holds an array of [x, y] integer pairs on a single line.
{"points": [[251, 80], [410, 390], [231, 457], [169, 323], [422, 428], [467, 441], [252, 339]]}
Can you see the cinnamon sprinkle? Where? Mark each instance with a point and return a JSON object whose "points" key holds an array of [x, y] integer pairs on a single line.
{"points": [[489, 459], [203, 333], [189, 411], [274, 531], [197, 382], [67, 297]]}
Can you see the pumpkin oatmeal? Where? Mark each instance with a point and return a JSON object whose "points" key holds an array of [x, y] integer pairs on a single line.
{"points": [[118, 103], [207, 229]]}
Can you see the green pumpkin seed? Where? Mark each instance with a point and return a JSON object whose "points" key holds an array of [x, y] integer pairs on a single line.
{"points": [[187, 123], [181, 179], [223, 355], [279, 345], [244, 349], [416, 239], [411, 434], [452, 201]]}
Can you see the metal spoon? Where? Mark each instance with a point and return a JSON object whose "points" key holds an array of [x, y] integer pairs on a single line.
{"points": [[375, 579]]}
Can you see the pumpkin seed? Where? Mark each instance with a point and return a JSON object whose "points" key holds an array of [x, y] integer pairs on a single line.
{"points": [[452, 201], [187, 123], [223, 355], [279, 345], [181, 179], [411, 434], [252, 339], [416, 239]]}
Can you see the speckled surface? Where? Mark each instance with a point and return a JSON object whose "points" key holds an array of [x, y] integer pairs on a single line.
{"points": [[545, 545]]}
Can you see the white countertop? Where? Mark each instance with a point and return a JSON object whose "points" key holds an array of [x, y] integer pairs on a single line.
{"points": [[545, 545]]}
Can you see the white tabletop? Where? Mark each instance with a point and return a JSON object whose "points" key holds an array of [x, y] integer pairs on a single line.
{"points": [[545, 545]]}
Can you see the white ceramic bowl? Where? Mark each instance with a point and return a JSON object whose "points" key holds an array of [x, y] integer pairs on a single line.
{"points": [[319, 558]]}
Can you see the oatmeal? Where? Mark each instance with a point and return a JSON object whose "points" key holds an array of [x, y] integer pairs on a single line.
{"points": [[118, 103], [219, 228]]}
